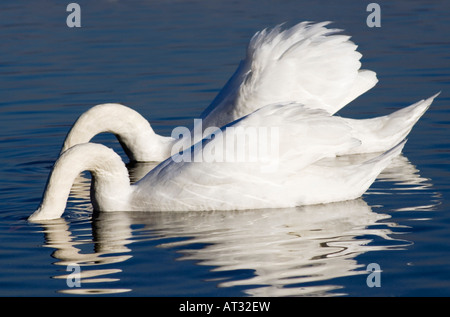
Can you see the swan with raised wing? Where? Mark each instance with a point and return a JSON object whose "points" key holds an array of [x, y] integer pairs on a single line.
{"points": [[307, 63], [304, 137]]}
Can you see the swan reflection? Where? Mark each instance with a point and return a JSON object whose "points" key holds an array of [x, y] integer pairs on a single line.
{"points": [[284, 248], [287, 252], [108, 250]]}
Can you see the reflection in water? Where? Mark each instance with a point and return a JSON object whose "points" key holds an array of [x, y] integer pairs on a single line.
{"points": [[285, 248], [289, 252], [406, 180], [110, 244]]}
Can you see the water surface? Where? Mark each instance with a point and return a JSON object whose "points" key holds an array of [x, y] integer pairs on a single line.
{"points": [[168, 60]]}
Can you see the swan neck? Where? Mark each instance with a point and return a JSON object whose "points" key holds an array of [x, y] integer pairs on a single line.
{"points": [[111, 184], [133, 131]]}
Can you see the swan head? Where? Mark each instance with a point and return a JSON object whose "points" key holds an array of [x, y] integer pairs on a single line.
{"points": [[110, 181]]}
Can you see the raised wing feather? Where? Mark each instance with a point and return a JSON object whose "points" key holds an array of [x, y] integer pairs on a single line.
{"points": [[307, 63]]}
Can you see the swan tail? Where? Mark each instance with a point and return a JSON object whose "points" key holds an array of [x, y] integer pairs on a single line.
{"points": [[381, 133], [400, 123], [408, 117]]}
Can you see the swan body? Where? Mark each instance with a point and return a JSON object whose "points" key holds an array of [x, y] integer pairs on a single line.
{"points": [[306, 137]]}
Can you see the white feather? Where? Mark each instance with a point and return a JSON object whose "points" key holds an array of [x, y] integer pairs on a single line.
{"points": [[307, 63]]}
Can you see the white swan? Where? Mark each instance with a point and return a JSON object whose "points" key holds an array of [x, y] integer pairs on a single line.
{"points": [[305, 137], [307, 63]]}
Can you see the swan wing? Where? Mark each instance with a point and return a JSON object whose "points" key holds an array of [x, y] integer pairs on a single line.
{"points": [[307, 63], [303, 136]]}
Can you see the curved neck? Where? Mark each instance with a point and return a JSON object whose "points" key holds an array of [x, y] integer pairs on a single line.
{"points": [[133, 131], [110, 185]]}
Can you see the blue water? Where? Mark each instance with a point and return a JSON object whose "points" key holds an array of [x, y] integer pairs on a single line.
{"points": [[167, 60]]}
